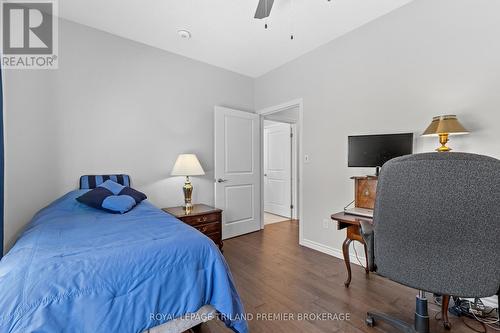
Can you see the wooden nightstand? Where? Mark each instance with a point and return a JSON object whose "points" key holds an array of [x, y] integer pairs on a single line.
{"points": [[207, 219]]}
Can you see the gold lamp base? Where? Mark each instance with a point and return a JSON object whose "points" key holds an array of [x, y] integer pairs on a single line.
{"points": [[188, 191], [443, 140]]}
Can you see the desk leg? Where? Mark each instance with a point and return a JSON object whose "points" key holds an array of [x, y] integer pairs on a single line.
{"points": [[444, 311], [367, 268], [345, 251]]}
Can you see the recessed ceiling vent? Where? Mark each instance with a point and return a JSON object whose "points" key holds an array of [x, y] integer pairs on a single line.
{"points": [[184, 34]]}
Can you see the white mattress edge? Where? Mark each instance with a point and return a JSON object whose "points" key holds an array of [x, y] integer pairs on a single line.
{"points": [[186, 322]]}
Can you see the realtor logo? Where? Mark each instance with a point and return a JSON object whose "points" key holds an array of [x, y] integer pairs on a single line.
{"points": [[29, 34]]}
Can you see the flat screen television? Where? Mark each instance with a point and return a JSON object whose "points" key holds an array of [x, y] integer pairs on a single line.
{"points": [[375, 150]]}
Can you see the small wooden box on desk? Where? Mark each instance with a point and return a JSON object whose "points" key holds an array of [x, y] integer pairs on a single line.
{"points": [[204, 218], [365, 188]]}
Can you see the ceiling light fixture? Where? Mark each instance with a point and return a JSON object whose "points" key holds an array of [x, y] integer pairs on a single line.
{"points": [[184, 34]]}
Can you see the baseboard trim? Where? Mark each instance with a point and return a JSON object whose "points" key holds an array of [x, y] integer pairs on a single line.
{"points": [[331, 251]]}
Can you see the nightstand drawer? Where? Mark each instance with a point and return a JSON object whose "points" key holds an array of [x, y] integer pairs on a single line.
{"points": [[206, 219], [208, 228], [202, 219]]}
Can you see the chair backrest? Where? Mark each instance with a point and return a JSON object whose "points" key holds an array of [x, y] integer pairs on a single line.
{"points": [[437, 223]]}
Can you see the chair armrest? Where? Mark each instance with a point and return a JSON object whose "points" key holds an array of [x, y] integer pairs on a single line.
{"points": [[367, 232]]}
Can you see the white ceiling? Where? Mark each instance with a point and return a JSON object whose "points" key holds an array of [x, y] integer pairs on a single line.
{"points": [[224, 32]]}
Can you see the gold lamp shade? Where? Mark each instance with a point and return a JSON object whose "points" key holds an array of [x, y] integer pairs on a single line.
{"points": [[443, 126]]}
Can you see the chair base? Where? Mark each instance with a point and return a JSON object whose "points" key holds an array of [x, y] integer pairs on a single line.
{"points": [[402, 326], [421, 324]]}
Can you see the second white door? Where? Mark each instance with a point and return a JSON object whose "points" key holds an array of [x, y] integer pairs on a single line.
{"points": [[277, 168]]}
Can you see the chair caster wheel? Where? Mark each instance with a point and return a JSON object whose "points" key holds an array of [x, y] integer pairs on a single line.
{"points": [[370, 322], [447, 326]]}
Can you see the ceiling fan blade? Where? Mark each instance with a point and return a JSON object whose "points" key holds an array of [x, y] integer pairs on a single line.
{"points": [[263, 11]]}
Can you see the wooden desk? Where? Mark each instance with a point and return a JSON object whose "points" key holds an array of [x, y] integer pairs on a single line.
{"points": [[351, 224], [365, 190]]}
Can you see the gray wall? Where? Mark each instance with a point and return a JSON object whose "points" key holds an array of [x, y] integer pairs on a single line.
{"points": [[428, 58], [146, 105], [112, 106]]}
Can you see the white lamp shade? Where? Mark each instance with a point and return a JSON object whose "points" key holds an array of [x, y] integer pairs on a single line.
{"points": [[187, 165]]}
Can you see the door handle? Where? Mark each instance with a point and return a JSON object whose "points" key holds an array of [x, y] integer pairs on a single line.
{"points": [[221, 180]]}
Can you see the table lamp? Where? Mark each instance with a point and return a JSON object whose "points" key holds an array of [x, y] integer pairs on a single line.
{"points": [[187, 165], [443, 126]]}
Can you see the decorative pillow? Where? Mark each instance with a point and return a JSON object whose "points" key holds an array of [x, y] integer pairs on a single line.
{"points": [[118, 203], [92, 181], [112, 197], [115, 188]]}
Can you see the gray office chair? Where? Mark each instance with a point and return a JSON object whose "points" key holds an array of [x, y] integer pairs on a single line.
{"points": [[437, 228]]}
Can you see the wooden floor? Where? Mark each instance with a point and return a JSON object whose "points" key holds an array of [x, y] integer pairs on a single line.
{"points": [[274, 274]]}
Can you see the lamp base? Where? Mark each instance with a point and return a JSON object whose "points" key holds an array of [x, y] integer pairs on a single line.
{"points": [[188, 191], [188, 209], [443, 140], [443, 149]]}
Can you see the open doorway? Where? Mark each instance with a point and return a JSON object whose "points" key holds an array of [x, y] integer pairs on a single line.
{"points": [[277, 155], [280, 167]]}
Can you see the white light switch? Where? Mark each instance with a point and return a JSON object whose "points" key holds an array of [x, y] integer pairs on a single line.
{"points": [[306, 158]]}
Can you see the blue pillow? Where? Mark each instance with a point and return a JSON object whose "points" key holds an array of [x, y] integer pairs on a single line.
{"points": [[118, 203], [115, 188], [119, 189], [112, 197], [90, 182], [138, 196]]}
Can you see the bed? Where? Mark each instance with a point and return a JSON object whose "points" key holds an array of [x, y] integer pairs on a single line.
{"points": [[79, 269]]}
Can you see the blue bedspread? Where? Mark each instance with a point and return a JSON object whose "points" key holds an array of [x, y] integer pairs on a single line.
{"points": [[78, 269]]}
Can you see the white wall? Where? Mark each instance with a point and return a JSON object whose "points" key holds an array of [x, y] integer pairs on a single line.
{"points": [[428, 58], [112, 106]]}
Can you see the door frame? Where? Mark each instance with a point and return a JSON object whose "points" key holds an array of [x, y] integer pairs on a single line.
{"points": [[298, 163]]}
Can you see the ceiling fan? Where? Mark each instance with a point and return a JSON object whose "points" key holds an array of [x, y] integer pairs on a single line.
{"points": [[264, 9]]}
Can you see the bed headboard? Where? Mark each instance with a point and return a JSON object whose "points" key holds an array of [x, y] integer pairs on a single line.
{"points": [[91, 181]]}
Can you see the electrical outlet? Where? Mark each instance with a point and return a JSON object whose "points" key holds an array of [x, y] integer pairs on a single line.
{"points": [[326, 223]]}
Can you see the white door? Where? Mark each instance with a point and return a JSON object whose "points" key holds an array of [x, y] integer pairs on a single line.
{"points": [[237, 170], [277, 169]]}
